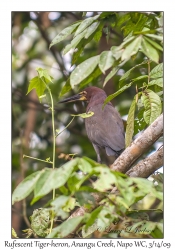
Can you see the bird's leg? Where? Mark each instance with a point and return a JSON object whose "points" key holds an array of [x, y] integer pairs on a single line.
{"points": [[97, 152]]}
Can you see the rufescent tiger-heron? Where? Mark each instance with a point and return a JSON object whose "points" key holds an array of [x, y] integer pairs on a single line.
{"points": [[105, 127]]}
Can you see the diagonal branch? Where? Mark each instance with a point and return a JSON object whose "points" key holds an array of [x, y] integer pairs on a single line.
{"points": [[147, 166], [139, 146]]}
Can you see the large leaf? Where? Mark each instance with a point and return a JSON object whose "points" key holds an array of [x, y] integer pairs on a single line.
{"points": [[26, 186], [122, 19], [158, 82], [85, 166], [116, 52], [66, 88], [152, 104], [58, 205], [110, 97], [139, 123], [44, 184], [63, 34], [90, 78], [81, 46], [106, 61], [74, 42], [156, 45], [149, 50], [38, 84], [85, 23], [63, 173], [110, 75], [132, 48], [84, 197], [105, 180], [83, 70], [65, 228], [93, 217], [91, 29], [130, 70], [157, 71], [130, 123], [139, 78], [52, 179], [160, 38]]}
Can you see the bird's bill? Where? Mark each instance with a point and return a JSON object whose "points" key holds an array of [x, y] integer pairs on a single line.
{"points": [[78, 97]]}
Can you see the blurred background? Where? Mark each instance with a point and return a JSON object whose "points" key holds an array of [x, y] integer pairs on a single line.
{"points": [[32, 33]]}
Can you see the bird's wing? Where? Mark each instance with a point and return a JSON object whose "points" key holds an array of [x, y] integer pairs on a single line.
{"points": [[105, 128]]}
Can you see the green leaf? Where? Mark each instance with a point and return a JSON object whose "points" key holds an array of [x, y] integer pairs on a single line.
{"points": [[66, 88], [81, 47], [160, 38], [90, 78], [85, 115], [26, 187], [110, 97], [84, 166], [116, 52], [158, 82], [152, 104], [70, 204], [65, 228], [43, 185], [139, 123], [52, 179], [14, 234], [93, 217], [85, 23], [63, 173], [38, 84], [127, 40], [91, 29], [139, 78], [110, 75], [149, 51], [84, 198], [130, 123], [132, 48], [156, 45], [58, 205], [98, 33], [105, 180], [63, 34], [77, 53], [74, 42], [129, 71], [157, 71], [106, 61], [83, 70], [122, 19], [44, 73], [60, 202]]}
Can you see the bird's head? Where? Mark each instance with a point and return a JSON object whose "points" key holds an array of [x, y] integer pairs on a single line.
{"points": [[87, 94]]}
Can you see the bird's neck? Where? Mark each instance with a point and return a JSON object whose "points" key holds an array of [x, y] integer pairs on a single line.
{"points": [[96, 100]]}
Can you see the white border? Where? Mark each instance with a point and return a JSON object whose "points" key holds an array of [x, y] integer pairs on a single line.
{"points": [[5, 96]]}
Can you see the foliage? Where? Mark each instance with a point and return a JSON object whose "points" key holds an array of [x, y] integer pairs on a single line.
{"points": [[138, 51]]}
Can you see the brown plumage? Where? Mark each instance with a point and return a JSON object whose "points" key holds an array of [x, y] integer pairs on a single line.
{"points": [[105, 128]]}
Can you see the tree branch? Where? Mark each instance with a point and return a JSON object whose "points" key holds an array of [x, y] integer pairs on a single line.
{"points": [[139, 146], [147, 166]]}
